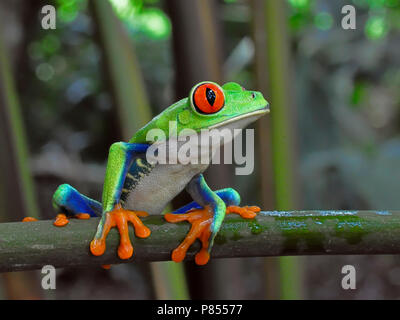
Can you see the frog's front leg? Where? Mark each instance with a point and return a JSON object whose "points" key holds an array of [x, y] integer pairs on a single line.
{"points": [[120, 159], [206, 215]]}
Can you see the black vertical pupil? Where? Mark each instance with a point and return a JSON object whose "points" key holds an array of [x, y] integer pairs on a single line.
{"points": [[210, 95]]}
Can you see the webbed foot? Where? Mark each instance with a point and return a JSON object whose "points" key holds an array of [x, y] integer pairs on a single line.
{"points": [[62, 220], [201, 220], [119, 218]]}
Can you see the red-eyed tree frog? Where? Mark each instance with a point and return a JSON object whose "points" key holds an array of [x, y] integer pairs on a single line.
{"points": [[135, 187]]}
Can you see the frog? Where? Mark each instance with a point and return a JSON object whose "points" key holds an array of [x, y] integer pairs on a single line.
{"points": [[135, 187]]}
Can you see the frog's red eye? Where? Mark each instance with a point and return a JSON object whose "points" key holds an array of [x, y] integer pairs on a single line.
{"points": [[208, 98]]}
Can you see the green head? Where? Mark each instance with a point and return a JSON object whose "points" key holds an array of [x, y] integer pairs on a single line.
{"points": [[209, 106]]}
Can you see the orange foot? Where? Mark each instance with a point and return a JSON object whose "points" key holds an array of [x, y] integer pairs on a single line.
{"points": [[201, 220], [119, 218], [62, 220]]}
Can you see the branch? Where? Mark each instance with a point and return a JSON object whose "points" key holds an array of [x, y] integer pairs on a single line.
{"points": [[31, 245]]}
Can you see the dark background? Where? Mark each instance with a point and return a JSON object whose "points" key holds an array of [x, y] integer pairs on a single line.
{"points": [[331, 142]]}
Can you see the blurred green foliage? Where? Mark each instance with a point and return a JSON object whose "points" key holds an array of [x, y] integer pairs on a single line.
{"points": [[142, 21], [383, 15], [70, 78], [345, 85]]}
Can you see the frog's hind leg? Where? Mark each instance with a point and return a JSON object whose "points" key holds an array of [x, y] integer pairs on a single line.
{"points": [[67, 201], [230, 196]]}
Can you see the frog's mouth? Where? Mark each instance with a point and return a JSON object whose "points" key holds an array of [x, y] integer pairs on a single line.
{"points": [[243, 120]]}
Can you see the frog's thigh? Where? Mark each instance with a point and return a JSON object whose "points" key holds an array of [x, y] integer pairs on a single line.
{"points": [[69, 201], [230, 196]]}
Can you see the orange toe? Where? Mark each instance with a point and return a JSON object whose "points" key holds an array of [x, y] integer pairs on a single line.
{"points": [[247, 212], [106, 266], [119, 218], [97, 247], [201, 220], [141, 230], [202, 257], [83, 216], [29, 219], [141, 213], [61, 220], [178, 255], [125, 250]]}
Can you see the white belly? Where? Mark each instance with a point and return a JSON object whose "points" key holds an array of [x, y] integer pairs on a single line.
{"points": [[160, 186]]}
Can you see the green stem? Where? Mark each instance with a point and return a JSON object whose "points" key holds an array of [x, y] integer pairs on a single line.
{"points": [[16, 161], [282, 133], [124, 70]]}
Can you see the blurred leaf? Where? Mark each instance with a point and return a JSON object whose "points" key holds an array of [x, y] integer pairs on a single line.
{"points": [[141, 20], [323, 20], [359, 93], [376, 27]]}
